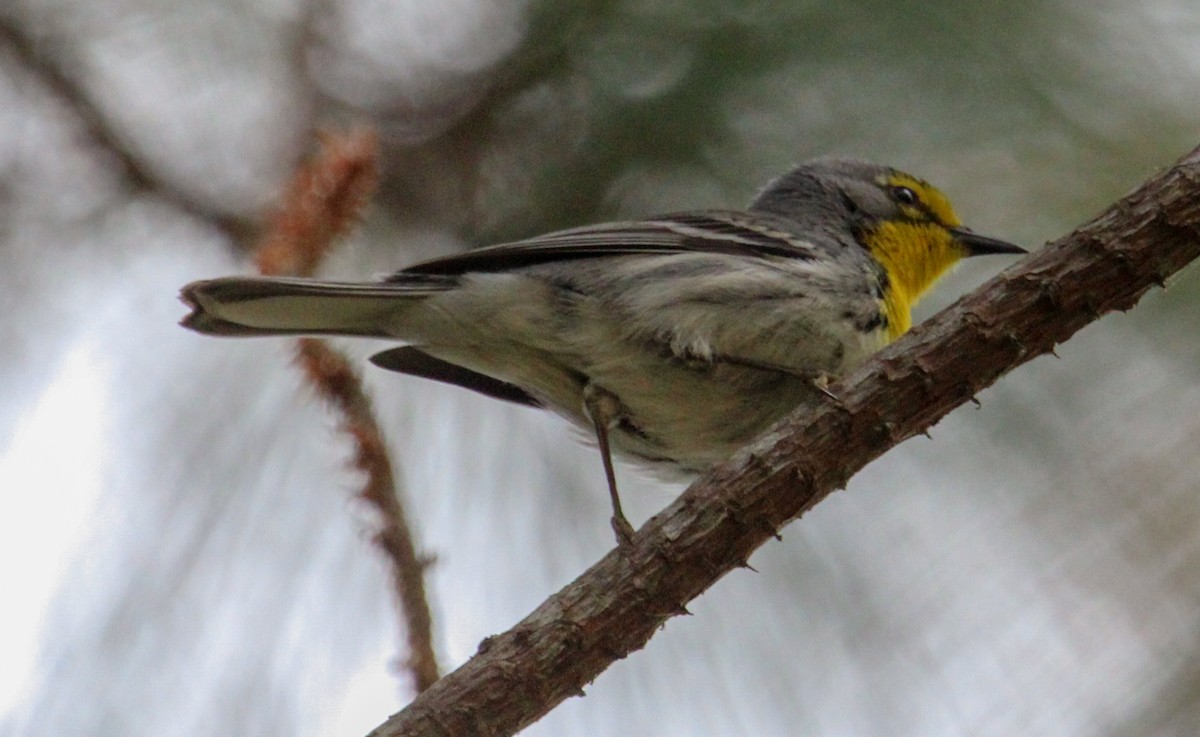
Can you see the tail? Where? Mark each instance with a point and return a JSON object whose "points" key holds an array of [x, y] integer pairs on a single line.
{"points": [[248, 306]]}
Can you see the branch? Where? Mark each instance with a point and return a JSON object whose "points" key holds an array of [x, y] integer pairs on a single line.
{"points": [[53, 74], [617, 605], [324, 200], [331, 374]]}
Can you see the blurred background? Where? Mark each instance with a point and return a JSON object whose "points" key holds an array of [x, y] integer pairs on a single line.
{"points": [[179, 552]]}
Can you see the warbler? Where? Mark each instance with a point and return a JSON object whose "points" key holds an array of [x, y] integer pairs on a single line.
{"points": [[674, 340]]}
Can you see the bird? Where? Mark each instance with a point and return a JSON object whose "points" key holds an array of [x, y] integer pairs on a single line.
{"points": [[674, 340]]}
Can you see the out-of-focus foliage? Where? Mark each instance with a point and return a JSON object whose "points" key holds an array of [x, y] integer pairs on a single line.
{"points": [[176, 549]]}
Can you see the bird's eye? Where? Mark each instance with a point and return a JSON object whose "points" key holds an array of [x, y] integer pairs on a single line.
{"points": [[905, 195]]}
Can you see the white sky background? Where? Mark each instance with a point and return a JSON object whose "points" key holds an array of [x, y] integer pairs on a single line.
{"points": [[177, 550]]}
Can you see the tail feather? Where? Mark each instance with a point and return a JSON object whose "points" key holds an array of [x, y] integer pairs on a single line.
{"points": [[249, 306]]}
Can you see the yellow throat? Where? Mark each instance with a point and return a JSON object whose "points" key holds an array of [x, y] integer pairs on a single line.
{"points": [[915, 250]]}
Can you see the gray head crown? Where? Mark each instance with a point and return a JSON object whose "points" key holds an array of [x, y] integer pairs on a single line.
{"points": [[831, 194]]}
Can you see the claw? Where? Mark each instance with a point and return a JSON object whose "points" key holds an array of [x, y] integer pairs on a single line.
{"points": [[821, 383]]}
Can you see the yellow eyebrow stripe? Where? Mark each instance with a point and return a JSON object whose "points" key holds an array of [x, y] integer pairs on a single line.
{"points": [[932, 199]]}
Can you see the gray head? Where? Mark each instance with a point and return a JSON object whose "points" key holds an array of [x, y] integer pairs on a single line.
{"points": [[848, 194], [844, 190]]}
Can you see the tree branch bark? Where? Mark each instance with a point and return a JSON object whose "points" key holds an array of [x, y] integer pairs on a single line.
{"points": [[617, 605]]}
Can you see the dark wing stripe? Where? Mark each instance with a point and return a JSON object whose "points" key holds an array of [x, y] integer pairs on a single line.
{"points": [[729, 233], [415, 362]]}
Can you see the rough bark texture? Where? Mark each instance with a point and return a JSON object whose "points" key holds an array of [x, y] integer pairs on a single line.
{"points": [[617, 605]]}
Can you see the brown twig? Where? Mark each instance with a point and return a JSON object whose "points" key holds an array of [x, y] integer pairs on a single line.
{"points": [[339, 384], [324, 199], [620, 602]]}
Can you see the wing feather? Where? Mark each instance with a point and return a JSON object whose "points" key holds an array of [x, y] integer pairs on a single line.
{"points": [[715, 231]]}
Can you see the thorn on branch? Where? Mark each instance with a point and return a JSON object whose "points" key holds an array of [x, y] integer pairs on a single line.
{"points": [[766, 526], [486, 644]]}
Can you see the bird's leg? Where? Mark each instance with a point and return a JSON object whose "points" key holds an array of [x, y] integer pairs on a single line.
{"points": [[603, 408]]}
